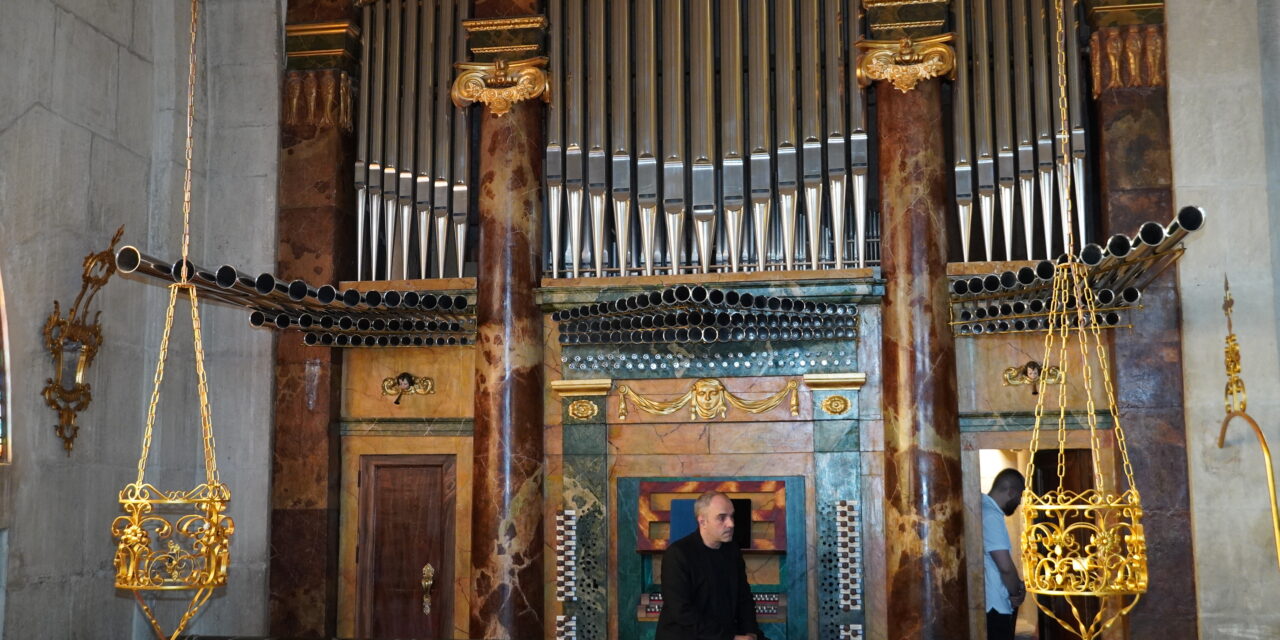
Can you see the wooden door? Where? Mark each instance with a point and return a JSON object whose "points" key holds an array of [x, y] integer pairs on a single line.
{"points": [[406, 522]]}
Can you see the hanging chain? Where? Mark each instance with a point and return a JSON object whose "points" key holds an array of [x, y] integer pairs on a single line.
{"points": [[206, 419]]}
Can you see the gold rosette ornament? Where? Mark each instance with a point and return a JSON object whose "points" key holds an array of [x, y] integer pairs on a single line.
{"points": [[176, 540], [1078, 545]]}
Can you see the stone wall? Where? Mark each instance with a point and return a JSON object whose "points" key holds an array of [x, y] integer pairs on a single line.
{"points": [[92, 125], [1222, 99]]}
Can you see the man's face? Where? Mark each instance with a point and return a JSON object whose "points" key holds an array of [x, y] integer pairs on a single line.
{"points": [[1012, 502], [716, 523]]}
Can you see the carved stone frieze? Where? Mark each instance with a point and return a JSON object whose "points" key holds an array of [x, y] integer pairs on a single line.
{"points": [[1127, 57], [319, 98]]}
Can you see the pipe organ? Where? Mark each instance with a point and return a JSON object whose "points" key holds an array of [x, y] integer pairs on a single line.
{"points": [[1010, 154], [696, 136]]}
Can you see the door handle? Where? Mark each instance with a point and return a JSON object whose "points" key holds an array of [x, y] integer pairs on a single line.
{"points": [[428, 579]]}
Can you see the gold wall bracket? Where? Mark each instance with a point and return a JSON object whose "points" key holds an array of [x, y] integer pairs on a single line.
{"points": [[906, 62], [74, 340], [501, 84], [407, 384]]}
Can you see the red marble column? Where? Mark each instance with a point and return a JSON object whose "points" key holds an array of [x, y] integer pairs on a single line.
{"points": [[506, 521], [314, 227], [924, 525], [1137, 186]]}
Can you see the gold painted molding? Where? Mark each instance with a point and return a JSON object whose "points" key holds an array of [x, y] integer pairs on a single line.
{"points": [[574, 388], [906, 62], [322, 29], [708, 399], [501, 84], [505, 24], [834, 381]]}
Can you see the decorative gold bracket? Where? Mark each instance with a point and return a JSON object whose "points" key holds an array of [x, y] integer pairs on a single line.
{"points": [[1236, 402], [1030, 373], [501, 84], [407, 384], [708, 399], [76, 336], [906, 62]]}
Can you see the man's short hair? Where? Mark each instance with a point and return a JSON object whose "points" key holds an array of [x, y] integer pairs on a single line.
{"points": [[1011, 478], [700, 505]]}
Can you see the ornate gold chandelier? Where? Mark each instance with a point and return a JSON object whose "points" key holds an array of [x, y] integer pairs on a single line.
{"points": [[1090, 543], [176, 540]]}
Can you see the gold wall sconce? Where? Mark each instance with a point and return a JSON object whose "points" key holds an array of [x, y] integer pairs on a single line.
{"points": [[1030, 373], [407, 384], [73, 342]]}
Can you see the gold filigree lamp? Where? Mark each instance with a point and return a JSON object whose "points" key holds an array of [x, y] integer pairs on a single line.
{"points": [[1090, 543], [79, 337], [176, 540]]}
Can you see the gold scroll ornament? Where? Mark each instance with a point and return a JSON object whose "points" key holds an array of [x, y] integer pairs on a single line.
{"points": [[1236, 403], [501, 84], [906, 62], [407, 384], [76, 336], [1029, 374], [708, 399]]}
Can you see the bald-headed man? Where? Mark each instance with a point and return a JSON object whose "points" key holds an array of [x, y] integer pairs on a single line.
{"points": [[705, 594], [1004, 589]]}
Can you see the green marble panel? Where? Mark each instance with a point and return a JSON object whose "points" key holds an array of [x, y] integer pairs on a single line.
{"points": [[1025, 421], [839, 477], [836, 435], [586, 439], [585, 479], [408, 427]]}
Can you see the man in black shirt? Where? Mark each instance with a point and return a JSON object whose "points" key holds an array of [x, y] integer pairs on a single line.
{"points": [[705, 595]]}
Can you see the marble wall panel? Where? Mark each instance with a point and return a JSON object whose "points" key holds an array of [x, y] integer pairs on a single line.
{"points": [[981, 364], [757, 437], [660, 439], [451, 368], [352, 449]]}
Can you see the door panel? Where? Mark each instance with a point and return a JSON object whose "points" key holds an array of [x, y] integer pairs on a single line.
{"points": [[406, 522]]}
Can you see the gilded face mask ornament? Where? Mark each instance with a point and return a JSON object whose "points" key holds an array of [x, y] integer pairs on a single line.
{"points": [[708, 399]]}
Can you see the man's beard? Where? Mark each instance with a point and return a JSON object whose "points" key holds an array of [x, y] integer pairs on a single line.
{"points": [[1009, 508]]}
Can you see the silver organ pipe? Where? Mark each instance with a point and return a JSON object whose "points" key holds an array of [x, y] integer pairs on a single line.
{"points": [[787, 163], [597, 167], [732, 161], [837, 151], [673, 129], [811, 127], [647, 154], [620, 72], [574, 109], [859, 138], [553, 168], [411, 153], [702, 141], [1017, 149], [760, 130]]}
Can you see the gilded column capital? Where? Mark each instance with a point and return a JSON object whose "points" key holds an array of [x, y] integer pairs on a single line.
{"points": [[906, 62], [501, 84]]}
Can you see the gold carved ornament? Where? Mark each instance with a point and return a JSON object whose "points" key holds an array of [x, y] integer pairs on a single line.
{"points": [[501, 84], [906, 62], [76, 336], [1087, 543], [1236, 403], [407, 384], [1030, 374], [583, 409], [176, 540], [708, 399], [836, 405]]}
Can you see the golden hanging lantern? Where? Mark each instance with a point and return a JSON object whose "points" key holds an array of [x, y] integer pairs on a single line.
{"points": [[176, 540], [1081, 544]]}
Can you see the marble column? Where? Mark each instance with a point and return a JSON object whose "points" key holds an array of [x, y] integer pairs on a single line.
{"points": [[1136, 180], [315, 226], [506, 523], [924, 525]]}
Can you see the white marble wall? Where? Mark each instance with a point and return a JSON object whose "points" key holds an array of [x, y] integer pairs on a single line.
{"points": [[1226, 151], [92, 123]]}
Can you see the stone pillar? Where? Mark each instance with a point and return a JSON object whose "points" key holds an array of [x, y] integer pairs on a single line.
{"points": [[1137, 186], [924, 506], [506, 521], [315, 227]]}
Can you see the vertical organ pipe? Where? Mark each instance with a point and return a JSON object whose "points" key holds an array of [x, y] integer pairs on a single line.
{"points": [[461, 148], [647, 153], [426, 107], [443, 132], [732, 176], [673, 134], [787, 169], [702, 139], [1044, 108], [982, 109], [760, 128], [963, 130], [362, 140], [620, 91], [376, 133], [837, 153], [391, 159], [811, 126], [1023, 131], [1006, 180], [597, 180], [408, 119], [553, 168], [575, 109], [859, 140]]}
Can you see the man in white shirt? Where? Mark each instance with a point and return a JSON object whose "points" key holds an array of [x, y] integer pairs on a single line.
{"points": [[1005, 590]]}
